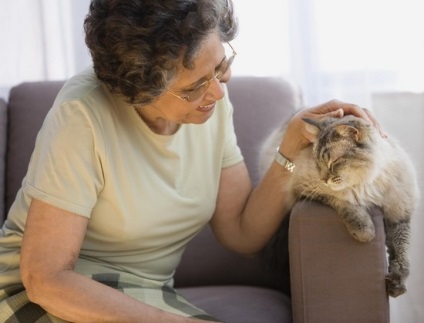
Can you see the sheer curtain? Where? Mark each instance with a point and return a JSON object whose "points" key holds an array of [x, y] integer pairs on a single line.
{"points": [[370, 52], [41, 40], [343, 49]]}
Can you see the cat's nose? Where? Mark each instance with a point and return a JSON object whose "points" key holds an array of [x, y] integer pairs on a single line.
{"points": [[326, 181], [325, 177]]}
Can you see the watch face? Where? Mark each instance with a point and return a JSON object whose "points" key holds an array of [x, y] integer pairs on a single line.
{"points": [[289, 166]]}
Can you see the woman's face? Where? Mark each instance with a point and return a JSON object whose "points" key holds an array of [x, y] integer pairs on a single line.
{"points": [[170, 109]]}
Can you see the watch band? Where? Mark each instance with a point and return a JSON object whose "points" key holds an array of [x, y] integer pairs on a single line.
{"points": [[283, 161]]}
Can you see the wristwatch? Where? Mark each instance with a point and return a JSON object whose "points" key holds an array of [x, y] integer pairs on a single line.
{"points": [[283, 161]]}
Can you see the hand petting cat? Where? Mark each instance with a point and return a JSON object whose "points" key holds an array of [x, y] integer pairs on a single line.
{"points": [[297, 137]]}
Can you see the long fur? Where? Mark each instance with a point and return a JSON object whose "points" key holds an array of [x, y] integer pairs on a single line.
{"points": [[351, 168]]}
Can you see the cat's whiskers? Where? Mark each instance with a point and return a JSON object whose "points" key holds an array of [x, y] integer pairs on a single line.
{"points": [[307, 194]]}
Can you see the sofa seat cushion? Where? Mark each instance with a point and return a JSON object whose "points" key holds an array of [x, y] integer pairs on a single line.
{"points": [[241, 304]]}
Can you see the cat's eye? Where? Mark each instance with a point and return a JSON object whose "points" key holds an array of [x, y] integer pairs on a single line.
{"points": [[332, 164]]}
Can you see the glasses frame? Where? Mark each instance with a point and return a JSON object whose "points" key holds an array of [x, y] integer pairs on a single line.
{"points": [[218, 74]]}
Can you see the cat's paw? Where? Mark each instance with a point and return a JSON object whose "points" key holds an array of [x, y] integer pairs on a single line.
{"points": [[364, 234], [359, 225], [395, 279], [394, 285]]}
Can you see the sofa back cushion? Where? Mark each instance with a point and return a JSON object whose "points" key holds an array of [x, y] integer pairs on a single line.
{"points": [[27, 108], [260, 105]]}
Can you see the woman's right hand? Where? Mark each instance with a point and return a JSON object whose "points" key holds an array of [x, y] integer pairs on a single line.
{"points": [[297, 137]]}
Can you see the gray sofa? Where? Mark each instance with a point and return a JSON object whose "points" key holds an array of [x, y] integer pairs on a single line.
{"points": [[333, 278]]}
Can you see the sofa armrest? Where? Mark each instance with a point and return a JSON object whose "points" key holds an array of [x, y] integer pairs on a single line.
{"points": [[335, 278]]}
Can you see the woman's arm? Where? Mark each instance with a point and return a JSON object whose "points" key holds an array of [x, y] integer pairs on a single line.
{"points": [[245, 220], [50, 249]]}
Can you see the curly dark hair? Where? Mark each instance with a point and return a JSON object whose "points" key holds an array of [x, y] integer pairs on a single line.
{"points": [[137, 46]]}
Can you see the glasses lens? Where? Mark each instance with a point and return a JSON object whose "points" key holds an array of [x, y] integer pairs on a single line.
{"points": [[198, 92], [224, 68]]}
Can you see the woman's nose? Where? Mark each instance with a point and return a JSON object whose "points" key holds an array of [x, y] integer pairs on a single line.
{"points": [[215, 90]]}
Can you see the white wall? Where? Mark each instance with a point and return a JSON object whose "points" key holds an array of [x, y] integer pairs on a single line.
{"points": [[402, 116]]}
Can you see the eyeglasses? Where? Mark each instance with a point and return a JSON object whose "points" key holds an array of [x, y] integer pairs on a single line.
{"points": [[197, 92]]}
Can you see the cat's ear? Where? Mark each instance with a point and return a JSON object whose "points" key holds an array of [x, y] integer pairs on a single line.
{"points": [[349, 131], [313, 128]]}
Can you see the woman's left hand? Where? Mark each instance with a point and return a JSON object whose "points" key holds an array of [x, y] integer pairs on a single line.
{"points": [[297, 137]]}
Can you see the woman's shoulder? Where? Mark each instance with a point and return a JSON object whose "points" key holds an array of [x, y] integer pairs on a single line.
{"points": [[85, 96], [83, 87]]}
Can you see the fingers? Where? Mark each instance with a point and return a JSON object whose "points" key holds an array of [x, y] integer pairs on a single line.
{"points": [[338, 109], [353, 109], [365, 114], [339, 113], [376, 123]]}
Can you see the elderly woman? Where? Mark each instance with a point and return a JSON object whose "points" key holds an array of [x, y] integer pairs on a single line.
{"points": [[136, 156]]}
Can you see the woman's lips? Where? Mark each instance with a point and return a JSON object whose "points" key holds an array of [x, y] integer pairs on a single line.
{"points": [[206, 108]]}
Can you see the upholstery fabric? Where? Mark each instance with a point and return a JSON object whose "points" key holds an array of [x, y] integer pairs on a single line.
{"points": [[28, 106], [268, 102], [320, 266], [214, 265], [248, 304]]}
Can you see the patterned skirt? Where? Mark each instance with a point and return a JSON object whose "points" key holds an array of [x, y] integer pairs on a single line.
{"points": [[16, 307]]}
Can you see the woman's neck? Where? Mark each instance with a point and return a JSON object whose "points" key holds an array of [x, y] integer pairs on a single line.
{"points": [[158, 125]]}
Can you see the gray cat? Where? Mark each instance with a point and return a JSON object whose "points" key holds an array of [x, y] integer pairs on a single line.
{"points": [[350, 167]]}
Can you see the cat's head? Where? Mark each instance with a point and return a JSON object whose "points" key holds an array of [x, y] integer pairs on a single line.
{"points": [[343, 151]]}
